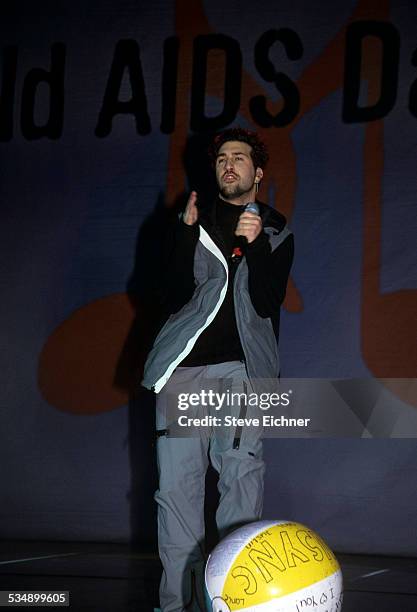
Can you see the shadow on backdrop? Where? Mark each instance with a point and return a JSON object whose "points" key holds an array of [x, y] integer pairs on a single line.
{"points": [[145, 289]]}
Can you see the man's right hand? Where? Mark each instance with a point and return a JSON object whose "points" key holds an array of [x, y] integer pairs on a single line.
{"points": [[190, 215]]}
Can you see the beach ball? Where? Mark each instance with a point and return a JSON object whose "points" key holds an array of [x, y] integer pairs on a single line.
{"points": [[273, 566]]}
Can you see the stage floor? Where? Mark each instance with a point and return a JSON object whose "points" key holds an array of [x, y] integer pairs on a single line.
{"points": [[117, 578]]}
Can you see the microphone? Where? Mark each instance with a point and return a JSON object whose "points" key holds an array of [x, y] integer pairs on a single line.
{"points": [[252, 207], [242, 241]]}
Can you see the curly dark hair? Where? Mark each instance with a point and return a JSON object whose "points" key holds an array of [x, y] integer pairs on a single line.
{"points": [[258, 152]]}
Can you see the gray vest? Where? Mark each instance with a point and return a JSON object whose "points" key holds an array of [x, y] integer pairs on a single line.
{"points": [[181, 331]]}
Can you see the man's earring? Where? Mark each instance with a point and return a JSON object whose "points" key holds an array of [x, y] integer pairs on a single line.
{"points": [[256, 186]]}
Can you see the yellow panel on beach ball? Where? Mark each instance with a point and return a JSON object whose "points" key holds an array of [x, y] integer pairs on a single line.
{"points": [[273, 566]]}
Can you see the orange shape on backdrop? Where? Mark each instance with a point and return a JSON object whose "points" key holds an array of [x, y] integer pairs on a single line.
{"points": [[78, 362]]}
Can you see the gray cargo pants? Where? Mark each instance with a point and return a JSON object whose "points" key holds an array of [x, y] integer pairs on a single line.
{"points": [[236, 454]]}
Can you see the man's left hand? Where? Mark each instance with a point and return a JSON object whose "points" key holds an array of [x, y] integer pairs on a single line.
{"points": [[249, 225]]}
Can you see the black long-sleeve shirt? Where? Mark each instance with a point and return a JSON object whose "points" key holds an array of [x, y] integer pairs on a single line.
{"points": [[268, 276]]}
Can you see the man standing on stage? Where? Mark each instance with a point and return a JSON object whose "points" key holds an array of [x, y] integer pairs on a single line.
{"points": [[225, 281]]}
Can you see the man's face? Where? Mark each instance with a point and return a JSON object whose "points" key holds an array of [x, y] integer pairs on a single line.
{"points": [[235, 172]]}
